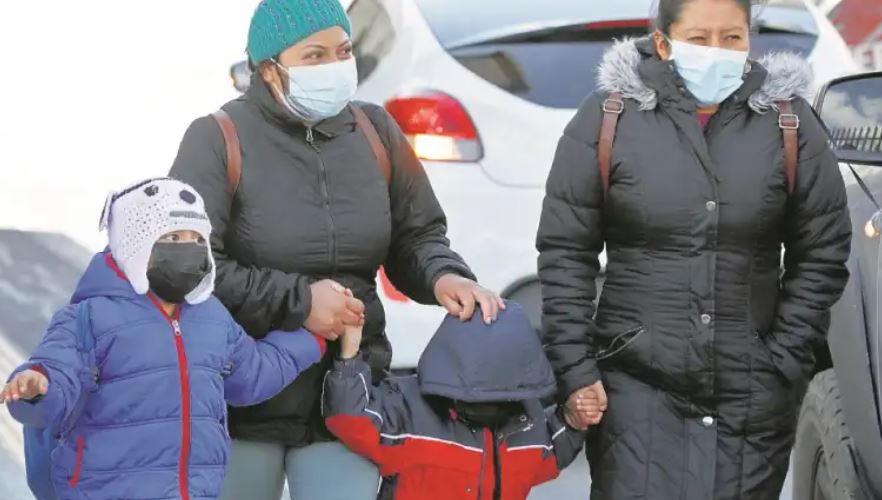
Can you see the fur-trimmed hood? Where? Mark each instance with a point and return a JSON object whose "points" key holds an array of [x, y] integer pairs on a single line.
{"points": [[775, 77]]}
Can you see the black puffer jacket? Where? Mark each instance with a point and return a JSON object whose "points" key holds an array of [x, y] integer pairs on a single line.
{"points": [[307, 212], [704, 348]]}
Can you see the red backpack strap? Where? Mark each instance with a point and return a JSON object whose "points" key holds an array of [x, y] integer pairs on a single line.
{"points": [[613, 106], [788, 122], [370, 132], [234, 150]]}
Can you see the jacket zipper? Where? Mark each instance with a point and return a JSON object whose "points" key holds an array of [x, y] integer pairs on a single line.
{"points": [[488, 443], [497, 468], [78, 464], [326, 193], [183, 469], [184, 458]]}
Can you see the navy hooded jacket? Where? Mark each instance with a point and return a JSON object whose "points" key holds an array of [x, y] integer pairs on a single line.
{"points": [[426, 453]]}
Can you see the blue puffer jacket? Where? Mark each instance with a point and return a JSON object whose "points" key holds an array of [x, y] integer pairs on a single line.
{"points": [[155, 428]]}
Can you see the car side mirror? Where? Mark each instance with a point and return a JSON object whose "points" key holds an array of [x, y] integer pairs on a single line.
{"points": [[851, 108], [241, 75]]}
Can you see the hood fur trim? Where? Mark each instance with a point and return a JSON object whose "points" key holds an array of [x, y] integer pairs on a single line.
{"points": [[788, 76]]}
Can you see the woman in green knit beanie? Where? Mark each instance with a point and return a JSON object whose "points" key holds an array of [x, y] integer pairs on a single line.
{"points": [[300, 234]]}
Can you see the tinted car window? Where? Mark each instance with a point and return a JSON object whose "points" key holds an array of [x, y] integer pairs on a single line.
{"points": [[372, 35], [561, 73], [549, 56], [553, 72]]}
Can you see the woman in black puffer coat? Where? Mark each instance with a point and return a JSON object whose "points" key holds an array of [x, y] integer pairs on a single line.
{"points": [[701, 346]]}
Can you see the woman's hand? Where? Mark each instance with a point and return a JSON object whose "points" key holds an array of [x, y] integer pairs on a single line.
{"points": [[460, 296], [333, 308], [585, 407], [26, 385]]}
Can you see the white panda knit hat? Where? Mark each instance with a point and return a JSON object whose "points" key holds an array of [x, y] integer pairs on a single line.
{"points": [[137, 216]]}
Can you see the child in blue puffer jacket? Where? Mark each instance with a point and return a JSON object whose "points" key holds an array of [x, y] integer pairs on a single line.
{"points": [[170, 358]]}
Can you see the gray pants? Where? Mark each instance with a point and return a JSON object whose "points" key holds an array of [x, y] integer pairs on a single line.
{"points": [[321, 471]]}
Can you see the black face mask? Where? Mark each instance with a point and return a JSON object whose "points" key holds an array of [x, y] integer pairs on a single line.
{"points": [[176, 269], [487, 414]]}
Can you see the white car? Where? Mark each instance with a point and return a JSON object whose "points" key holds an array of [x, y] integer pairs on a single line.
{"points": [[484, 89]]}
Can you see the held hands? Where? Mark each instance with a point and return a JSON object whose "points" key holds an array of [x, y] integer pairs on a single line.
{"points": [[586, 406], [460, 296], [27, 385], [333, 309]]}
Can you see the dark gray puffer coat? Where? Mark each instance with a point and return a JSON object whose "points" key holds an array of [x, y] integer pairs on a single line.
{"points": [[704, 348], [307, 211]]}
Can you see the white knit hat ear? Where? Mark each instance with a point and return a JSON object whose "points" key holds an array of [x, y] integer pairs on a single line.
{"points": [[139, 215], [105, 212]]}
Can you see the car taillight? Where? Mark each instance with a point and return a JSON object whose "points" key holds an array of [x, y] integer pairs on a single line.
{"points": [[437, 126]]}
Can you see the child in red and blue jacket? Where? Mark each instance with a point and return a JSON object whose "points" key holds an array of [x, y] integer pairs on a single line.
{"points": [[170, 356], [469, 425]]}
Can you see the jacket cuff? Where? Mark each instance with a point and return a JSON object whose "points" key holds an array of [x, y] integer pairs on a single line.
{"points": [[349, 368], [451, 268], [298, 305], [582, 375], [322, 345], [39, 369]]}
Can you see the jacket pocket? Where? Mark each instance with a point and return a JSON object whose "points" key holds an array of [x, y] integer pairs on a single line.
{"points": [[763, 359], [620, 343], [78, 462]]}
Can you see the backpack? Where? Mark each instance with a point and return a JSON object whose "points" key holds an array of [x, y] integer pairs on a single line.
{"points": [[614, 105], [234, 150], [40, 442]]}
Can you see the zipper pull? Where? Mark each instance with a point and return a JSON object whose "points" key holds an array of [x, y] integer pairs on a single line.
{"points": [[177, 327], [310, 138]]}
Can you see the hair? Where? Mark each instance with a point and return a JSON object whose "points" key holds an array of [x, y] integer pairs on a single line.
{"points": [[668, 12]]}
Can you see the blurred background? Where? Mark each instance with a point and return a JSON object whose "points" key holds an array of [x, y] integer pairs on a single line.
{"points": [[95, 94]]}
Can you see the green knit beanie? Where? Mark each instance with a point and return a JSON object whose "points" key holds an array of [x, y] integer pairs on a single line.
{"points": [[279, 24]]}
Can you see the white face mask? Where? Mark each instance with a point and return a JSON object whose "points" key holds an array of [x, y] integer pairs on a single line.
{"points": [[318, 92], [711, 74]]}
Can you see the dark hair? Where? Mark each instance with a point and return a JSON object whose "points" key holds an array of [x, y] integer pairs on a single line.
{"points": [[669, 12]]}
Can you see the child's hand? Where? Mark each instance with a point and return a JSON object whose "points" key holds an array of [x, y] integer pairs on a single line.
{"points": [[350, 342], [586, 406], [26, 385]]}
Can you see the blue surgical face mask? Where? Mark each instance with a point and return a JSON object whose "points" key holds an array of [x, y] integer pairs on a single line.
{"points": [[711, 74], [318, 92]]}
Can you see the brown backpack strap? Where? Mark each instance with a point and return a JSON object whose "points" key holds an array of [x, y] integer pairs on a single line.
{"points": [[613, 106], [234, 151], [370, 132], [788, 122]]}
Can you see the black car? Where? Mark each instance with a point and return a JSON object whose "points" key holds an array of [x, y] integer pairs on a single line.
{"points": [[838, 453]]}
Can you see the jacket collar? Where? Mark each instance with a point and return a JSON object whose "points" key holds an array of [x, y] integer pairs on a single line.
{"points": [[632, 68], [260, 96]]}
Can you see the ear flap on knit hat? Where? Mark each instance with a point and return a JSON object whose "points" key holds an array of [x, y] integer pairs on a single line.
{"points": [[105, 213]]}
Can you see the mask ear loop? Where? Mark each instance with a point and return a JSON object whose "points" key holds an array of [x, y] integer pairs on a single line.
{"points": [[282, 96]]}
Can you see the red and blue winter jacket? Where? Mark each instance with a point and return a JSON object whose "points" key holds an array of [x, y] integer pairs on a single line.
{"points": [[155, 426], [423, 450]]}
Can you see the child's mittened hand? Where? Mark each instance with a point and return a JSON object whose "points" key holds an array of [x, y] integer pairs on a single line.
{"points": [[27, 385], [350, 342]]}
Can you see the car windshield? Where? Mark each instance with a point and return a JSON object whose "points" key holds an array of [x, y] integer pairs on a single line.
{"points": [[549, 55]]}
